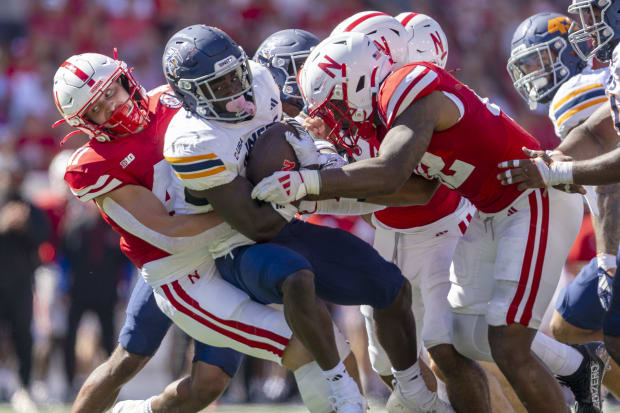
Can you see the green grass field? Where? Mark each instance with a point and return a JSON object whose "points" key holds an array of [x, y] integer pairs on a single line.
{"points": [[244, 408]]}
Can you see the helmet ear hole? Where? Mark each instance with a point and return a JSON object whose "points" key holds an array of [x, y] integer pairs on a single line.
{"points": [[360, 83]]}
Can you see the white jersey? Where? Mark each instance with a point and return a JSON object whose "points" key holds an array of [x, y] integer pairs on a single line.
{"points": [[577, 99], [613, 87], [205, 154]]}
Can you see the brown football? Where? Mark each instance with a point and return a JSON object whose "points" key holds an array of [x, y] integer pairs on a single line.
{"points": [[271, 153]]}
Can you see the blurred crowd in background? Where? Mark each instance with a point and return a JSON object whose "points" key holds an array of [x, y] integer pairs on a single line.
{"points": [[59, 260]]}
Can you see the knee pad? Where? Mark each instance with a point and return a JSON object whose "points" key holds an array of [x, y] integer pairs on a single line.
{"points": [[471, 336], [313, 388], [378, 357]]}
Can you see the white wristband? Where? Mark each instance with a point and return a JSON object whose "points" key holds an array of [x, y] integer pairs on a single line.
{"points": [[554, 152], [561, 173], [287, 211], [346, 206], [606, 261], [312, 181]]}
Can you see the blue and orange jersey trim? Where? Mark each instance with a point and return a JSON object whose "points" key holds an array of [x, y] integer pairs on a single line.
{"points": [[615, 112], [196, 166], [578, 100]]}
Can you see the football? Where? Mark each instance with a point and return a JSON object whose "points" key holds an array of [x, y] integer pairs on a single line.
{"points": [[271, 153]]}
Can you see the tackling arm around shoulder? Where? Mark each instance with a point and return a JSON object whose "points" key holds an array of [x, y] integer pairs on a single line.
{"points": [[138, 211]]}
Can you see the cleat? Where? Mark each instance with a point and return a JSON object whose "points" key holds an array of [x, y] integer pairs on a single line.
{"points": [[348, 399], [349, 405], [585, 383], [397, 403], [21, 402]]}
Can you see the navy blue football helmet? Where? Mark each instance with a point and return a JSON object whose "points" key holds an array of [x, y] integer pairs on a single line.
{"points": [[210, 73], [541, 58], [600, 28], [283, 53]]}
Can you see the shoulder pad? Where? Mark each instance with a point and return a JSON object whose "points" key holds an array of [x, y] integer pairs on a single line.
{"points": [[576, 100], [90, 175], [404, 86]]}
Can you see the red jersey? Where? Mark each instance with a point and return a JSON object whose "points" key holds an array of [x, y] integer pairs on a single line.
{"points": [[465, 156], [443, 203], [97, 168]]}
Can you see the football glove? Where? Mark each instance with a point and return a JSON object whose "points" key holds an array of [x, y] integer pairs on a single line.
{"points": [[605, 281], [304, 147], [284, 187]]}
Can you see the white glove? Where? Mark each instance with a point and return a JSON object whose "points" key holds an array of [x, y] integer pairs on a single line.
{"points": [[305, 150], [284, 187]]}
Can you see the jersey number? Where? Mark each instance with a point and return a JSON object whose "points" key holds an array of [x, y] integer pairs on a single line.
{"points": [[452, 176]]}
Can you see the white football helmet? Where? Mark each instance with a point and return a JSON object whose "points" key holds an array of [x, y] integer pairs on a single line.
{"points": [[339, 83], [81, 80], [427, 41], [383, 29]]}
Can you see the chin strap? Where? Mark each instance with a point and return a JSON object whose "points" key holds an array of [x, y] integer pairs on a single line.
{"points": [[69, 135]]}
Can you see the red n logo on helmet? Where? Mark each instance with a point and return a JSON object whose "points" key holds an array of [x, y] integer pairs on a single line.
{"points": [[438, 44], [332, 64], [385, 48]]}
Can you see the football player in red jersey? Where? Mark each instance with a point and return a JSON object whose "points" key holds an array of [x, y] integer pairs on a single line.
{"points": [[507, 265], [122, 169], [419, 239]]}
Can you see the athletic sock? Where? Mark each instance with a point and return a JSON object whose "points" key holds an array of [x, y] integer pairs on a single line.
{"points": [[412, 386], [340, 381], [560, 358], [147, 405]]}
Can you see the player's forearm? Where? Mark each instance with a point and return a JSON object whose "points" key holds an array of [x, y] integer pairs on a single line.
{"points": [[602, 170], [363, 179], [256, 220], [416, 191], [172, 234], [260, 223], [582, 144], [607, 224], [593, 137], [400, 152]]}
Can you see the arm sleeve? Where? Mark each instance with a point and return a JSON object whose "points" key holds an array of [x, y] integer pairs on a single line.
{"points": [[169, 244], [404, 86], [342, 206]]}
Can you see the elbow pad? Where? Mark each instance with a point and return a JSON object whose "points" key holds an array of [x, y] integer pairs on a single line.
{"points": [[342, 206], [171, 245]]}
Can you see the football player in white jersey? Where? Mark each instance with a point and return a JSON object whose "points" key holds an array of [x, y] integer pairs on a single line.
{"points": [[229, 103], [122, 169], [588, 154], [545, 69]]}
